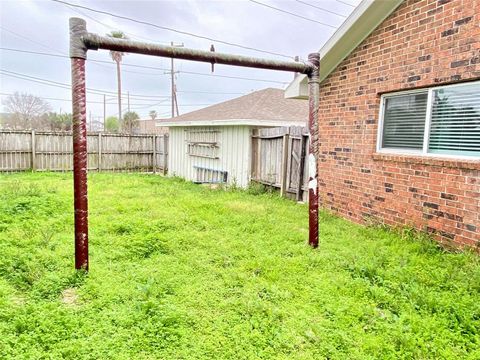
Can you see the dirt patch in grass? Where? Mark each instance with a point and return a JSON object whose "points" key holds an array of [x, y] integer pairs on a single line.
{"points": [[70, 297]]}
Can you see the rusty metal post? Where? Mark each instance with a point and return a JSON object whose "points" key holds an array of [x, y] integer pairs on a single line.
{"points": [[313, 104], [78, 55], [81, 41]]}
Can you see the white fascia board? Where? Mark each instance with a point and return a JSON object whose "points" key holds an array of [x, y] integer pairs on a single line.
{"points": [[298, 88], [365, 18], [233, 122]]}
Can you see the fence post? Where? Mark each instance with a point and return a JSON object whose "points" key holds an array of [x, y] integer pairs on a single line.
{"points": [[34, 155], [283, 175], [253, 160], [301, 167], [99, 151], [154, 160], [165, 149]]}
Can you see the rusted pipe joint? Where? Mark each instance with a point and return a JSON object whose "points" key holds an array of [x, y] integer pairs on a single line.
{"points": [[313, 72], [78, 29]]}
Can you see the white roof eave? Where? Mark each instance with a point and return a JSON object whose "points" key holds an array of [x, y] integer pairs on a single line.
{"points": [[232, 122], [365, 18]]}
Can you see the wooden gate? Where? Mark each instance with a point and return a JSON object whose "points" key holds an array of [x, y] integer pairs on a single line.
{"points": [[278, 159]]}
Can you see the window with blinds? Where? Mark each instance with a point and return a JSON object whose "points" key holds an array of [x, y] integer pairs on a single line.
{"points": [[442, 120], [455, 124], [404, 121]]}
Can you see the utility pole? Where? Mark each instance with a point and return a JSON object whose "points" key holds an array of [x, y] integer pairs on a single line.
{"points": [[176, 102], [297, 59], [128, 100], [119, 84], [174, 89], [104, 113]]}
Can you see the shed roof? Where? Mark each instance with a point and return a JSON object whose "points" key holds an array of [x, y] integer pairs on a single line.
{"points": [[267, 107], [365, 18]]}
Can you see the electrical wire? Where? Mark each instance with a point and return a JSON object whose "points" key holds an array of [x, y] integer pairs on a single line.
{"points": [[112, 28], [29, 39], [150, 67], [67, 86], [343, 2], [172, 29], [209, 92], [286, 12], [54, 99], [93, 102], [134, 106], [97, 62], [232, 77], [320, 8]]}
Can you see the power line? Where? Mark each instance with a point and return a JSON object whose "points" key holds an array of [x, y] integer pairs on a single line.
{"points": [[172, 29], [54, 99], [209, 92], [97, 62], [343, 2], [48, 47], [112, 28], [159, 104], [320, 8], [134, 106], [232, 77], [287, 12], [67, 86], [149, 67], [69, 100], [28, 39]]}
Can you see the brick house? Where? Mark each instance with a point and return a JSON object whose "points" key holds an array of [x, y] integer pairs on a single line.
{"points": [[399, 120], [149, 126]]}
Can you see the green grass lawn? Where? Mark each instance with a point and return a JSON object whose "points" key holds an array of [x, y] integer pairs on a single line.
{"points": [[179, 271]]}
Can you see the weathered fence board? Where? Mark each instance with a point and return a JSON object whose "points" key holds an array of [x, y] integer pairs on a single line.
{"points": [[278, 159], [53, 151]]}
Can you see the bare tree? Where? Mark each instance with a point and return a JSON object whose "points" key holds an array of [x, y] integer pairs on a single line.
{"points": [[26, 109], [117, 57], [153, 114]]}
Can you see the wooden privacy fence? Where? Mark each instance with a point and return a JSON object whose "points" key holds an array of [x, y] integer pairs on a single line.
{"points": [[53, 151], [278, 159]]}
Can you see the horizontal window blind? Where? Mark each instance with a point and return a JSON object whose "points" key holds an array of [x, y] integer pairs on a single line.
{"points": [[404, 121], [455, 122]]}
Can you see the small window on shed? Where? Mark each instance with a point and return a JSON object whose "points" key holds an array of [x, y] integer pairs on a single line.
{"points": [[203, 143], [442, 120]]}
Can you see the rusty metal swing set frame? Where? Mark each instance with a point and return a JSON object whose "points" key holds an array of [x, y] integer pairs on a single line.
{"points": [[81, 41]]}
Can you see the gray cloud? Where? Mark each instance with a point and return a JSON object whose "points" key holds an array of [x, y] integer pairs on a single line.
{"points": [[45, 23]]}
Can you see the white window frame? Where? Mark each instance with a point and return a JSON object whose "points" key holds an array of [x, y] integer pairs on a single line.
{"points": [[428, 121]]}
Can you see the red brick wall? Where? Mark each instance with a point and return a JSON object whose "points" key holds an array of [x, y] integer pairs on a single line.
{"points": [[423, 43]]}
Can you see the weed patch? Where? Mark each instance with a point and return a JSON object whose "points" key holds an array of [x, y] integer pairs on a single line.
{"points": [[181, 271]]}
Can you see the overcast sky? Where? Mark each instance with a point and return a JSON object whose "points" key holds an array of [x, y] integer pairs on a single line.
{"points": [[42, 26]]}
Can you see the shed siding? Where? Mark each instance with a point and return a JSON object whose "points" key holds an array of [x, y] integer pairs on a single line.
{"points": [[233, 154]]}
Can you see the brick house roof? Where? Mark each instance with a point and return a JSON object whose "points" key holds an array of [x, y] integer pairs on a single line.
{"points": [[263, 106]]}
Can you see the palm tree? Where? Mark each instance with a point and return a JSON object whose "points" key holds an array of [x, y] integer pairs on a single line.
{"points": [[130, 122], [117, 57], [153, 114]]}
